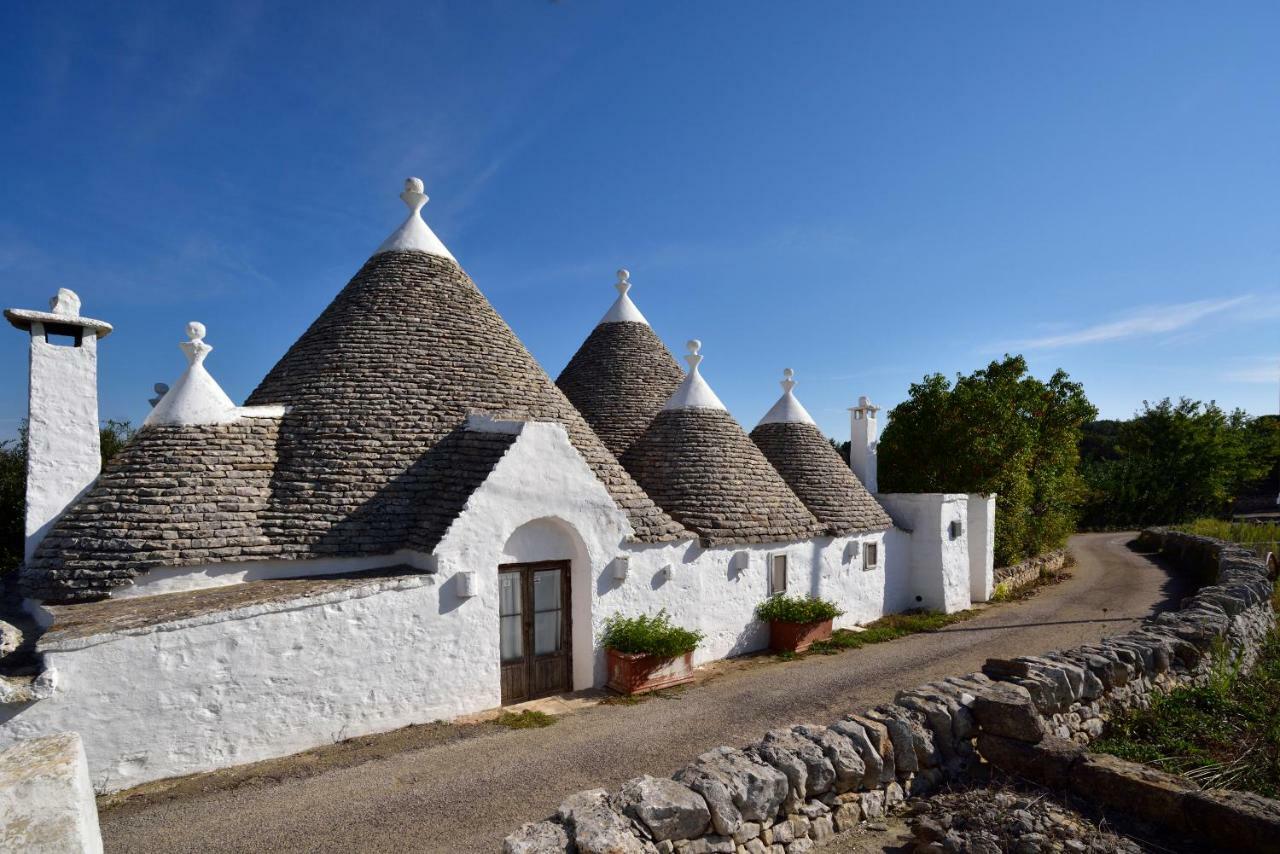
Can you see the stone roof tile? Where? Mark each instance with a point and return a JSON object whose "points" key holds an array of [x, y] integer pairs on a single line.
{"points": [[700, 467], [822, 480]]}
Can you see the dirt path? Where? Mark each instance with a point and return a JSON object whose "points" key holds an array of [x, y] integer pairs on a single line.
{"points": [[464, 795]]}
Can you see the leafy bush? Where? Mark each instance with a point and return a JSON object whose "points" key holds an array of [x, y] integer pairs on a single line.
{"points": [[997, 430], [1175, 461], [797, 609], [646, 635]]}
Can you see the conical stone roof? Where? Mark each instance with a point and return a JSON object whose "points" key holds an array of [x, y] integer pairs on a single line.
{"points": [[371, 455], [621, 375], [813, 470], [378, 390], [698, 464]]}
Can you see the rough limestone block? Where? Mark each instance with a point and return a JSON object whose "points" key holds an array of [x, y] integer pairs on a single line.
{"points": [[537, 837], [46, 799], [1048, 762], [1007, 710], [1146, 793], [668, 809], [1240, 821]]}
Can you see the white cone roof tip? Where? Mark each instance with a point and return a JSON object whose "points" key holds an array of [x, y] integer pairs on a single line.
{"points": [[196, 398], [694, 393], [623, 309], [414, 235], [788, 410]]}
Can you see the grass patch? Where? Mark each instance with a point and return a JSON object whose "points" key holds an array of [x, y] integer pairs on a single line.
{"points": [[884, 629], [528, 719], [1006, 592], [1225, 734], [1246, 533]]}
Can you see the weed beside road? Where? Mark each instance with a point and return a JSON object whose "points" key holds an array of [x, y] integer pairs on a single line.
{"points": [[1225, 734]]}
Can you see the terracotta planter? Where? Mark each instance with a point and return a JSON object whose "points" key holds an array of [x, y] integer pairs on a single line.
{"points": [[797, 637], [636, 673]]}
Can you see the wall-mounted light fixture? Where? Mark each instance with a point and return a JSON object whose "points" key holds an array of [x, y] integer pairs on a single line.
{"points": [[956, 529], [621, 565], [466, 584]]}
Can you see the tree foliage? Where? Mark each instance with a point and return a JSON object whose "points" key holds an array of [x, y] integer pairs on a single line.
{"points": [[13, 485], [1175, 461], [997, 430]]}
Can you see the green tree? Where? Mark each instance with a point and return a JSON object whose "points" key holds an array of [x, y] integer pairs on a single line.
{"points": [[1175, 461], [997, 430], [114, 435]]}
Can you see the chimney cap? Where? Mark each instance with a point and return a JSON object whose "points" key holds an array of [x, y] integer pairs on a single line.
{"points": [[64, 310]]}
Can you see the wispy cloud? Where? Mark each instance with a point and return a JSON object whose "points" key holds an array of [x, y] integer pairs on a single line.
{"points": [[1264, 370], [1154, 320]]}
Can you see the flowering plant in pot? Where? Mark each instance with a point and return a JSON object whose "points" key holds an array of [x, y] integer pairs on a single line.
{"points": [[647, 653], [797, 622]]}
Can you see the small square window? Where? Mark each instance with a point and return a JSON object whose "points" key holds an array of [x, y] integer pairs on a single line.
{"points": [[777, 574], [870, 555]]}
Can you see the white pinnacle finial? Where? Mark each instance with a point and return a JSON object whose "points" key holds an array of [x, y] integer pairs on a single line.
{"points": [[694, 358], [787, 410], [413, 235], [413, 194], [694, 393], [623, 309], [195, 331]]}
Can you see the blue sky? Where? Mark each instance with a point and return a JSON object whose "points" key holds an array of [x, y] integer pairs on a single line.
{"points": [[864, 192]]}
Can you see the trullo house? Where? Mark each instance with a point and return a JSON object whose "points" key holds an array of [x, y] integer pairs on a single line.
{"points": [[408, 520]]}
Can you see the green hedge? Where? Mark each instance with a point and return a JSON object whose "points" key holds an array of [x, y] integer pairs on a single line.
{"points": [[797, 609], [654, 635]]}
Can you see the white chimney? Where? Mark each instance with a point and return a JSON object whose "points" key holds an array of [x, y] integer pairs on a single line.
{"points": [[863, 438], [63, 452]]}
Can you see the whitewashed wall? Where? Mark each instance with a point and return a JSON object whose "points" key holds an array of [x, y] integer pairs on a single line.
{"points": [[939, 562], [257, 682], [982, 546], [63, 455]]}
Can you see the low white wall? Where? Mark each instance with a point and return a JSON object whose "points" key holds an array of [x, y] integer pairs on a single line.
{"points": [[939, 561], [982, 546], [261, 681]]}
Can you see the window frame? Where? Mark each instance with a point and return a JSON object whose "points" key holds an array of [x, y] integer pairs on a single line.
{"points": [[871, 555], [774, 590]]}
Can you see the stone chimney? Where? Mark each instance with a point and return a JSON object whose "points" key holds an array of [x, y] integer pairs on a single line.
{"points": [[864, 437], [63, 451]]}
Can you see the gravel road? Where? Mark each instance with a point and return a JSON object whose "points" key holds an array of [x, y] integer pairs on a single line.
{"points": [[465, 795]]}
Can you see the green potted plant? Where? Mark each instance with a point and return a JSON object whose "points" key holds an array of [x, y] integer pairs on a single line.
{"points": [[797, 622], [647, 653]]}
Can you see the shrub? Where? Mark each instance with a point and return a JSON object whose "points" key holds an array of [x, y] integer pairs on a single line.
{"points": [[646, 635], [797, 609]]}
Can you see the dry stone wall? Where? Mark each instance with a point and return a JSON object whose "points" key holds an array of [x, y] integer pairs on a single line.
{"points": [[1029, 571], [800, 784]]}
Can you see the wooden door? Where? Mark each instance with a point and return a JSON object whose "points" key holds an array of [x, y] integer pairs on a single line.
{"points": [[534, 630]]}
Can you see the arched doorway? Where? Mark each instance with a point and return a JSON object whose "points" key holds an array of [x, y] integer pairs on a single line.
{"points": [[535, 610]]}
